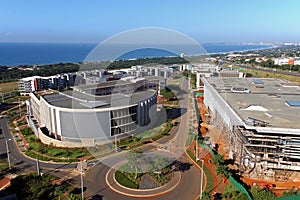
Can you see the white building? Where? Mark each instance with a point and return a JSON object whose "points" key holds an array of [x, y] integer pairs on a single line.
{"points": [[282, 61], [80, 118]]}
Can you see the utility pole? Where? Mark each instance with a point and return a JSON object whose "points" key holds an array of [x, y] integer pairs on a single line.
{"points": [[197, 148], [81, 178], [37, 165], [116, 144], [7, 152], [201, 185]]}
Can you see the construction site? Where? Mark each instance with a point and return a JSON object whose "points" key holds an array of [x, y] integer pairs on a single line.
{"points": [[255, 123]]}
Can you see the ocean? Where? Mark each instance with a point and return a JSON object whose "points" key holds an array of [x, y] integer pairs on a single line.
{"points": [[15, 54]]}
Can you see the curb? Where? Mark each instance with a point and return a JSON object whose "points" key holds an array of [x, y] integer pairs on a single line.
{"points": [[201, 170], [139, 190]]}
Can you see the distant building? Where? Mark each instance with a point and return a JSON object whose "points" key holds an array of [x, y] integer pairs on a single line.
{"points": [[39, 83], [284, 61], [188, 67]]}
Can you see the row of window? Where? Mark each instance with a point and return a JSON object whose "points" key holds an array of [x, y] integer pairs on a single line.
{"points": [[123, 129], [123, 112], [122, 121]]}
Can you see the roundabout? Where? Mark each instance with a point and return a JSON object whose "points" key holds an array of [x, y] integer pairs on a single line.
{"points": [[140, 193], [101, 184]]}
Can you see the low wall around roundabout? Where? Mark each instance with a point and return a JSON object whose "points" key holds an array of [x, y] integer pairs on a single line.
{"points": [[140, 193]]}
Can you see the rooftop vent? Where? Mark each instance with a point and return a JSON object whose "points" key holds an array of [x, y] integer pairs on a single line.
{"points": [[240, 90], [255, 108], [273, 95], [293, 103], [258, 84]]}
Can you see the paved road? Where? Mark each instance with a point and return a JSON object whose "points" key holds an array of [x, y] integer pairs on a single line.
{"points": [[22, 163], [97, 187], [188, 188], [94, 178]]}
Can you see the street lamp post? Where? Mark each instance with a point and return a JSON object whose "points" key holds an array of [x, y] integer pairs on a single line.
{"points": [[197, 148], [81, 179], [201, 179], [116, 144], [7, 152]]}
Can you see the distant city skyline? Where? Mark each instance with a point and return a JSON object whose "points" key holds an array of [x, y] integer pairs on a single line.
{"points": [[206, 21]]}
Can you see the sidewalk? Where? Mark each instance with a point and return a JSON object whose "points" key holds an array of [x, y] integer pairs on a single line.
{"points": [[4, 182]]}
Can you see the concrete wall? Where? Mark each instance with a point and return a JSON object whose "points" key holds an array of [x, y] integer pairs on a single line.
{"points": [[57, 143], [219, 107], [85, 124]]}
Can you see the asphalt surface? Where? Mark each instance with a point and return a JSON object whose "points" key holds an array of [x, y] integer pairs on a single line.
{"points": [[94, 178], [22, 164], [188, 188]]}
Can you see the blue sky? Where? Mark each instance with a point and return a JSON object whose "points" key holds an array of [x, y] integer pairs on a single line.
{"points": [[203, 20]]}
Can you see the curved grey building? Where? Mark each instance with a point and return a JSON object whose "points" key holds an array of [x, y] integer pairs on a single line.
{"points": [[76, 118]]}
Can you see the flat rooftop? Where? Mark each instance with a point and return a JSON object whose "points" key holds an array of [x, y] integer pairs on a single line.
{"points": [[78, 100], [116, 83], [273, 101]]}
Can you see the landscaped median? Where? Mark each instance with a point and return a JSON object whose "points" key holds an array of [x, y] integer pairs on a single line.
{"points": [[154, 177], [121, 182]]}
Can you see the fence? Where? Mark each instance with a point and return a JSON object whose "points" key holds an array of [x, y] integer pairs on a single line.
{"points": [[236, 184]]}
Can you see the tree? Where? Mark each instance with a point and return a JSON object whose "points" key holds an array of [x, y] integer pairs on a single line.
{"points": [[160, 163], [206, 196], [32, 186], [135, 159], [262, 194], [231, 192], [218, 159], [167, 93], [59, 190], [291, 192], [224, 171], [74, 197]]}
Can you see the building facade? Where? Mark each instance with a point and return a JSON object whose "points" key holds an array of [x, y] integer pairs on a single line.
{"points": [[260, 120], [38, 83], [78, 118]]}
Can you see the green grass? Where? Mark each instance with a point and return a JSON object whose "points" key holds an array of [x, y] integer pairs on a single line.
{"points": [[56, 154], [270, 75], [59, 152], [153, 134], [164, 132], [123, 180], [33, 155], [161, 178], [150, 133], [209, 177], [189, 140], [9, 87], [123, 143], [3, 167]]}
